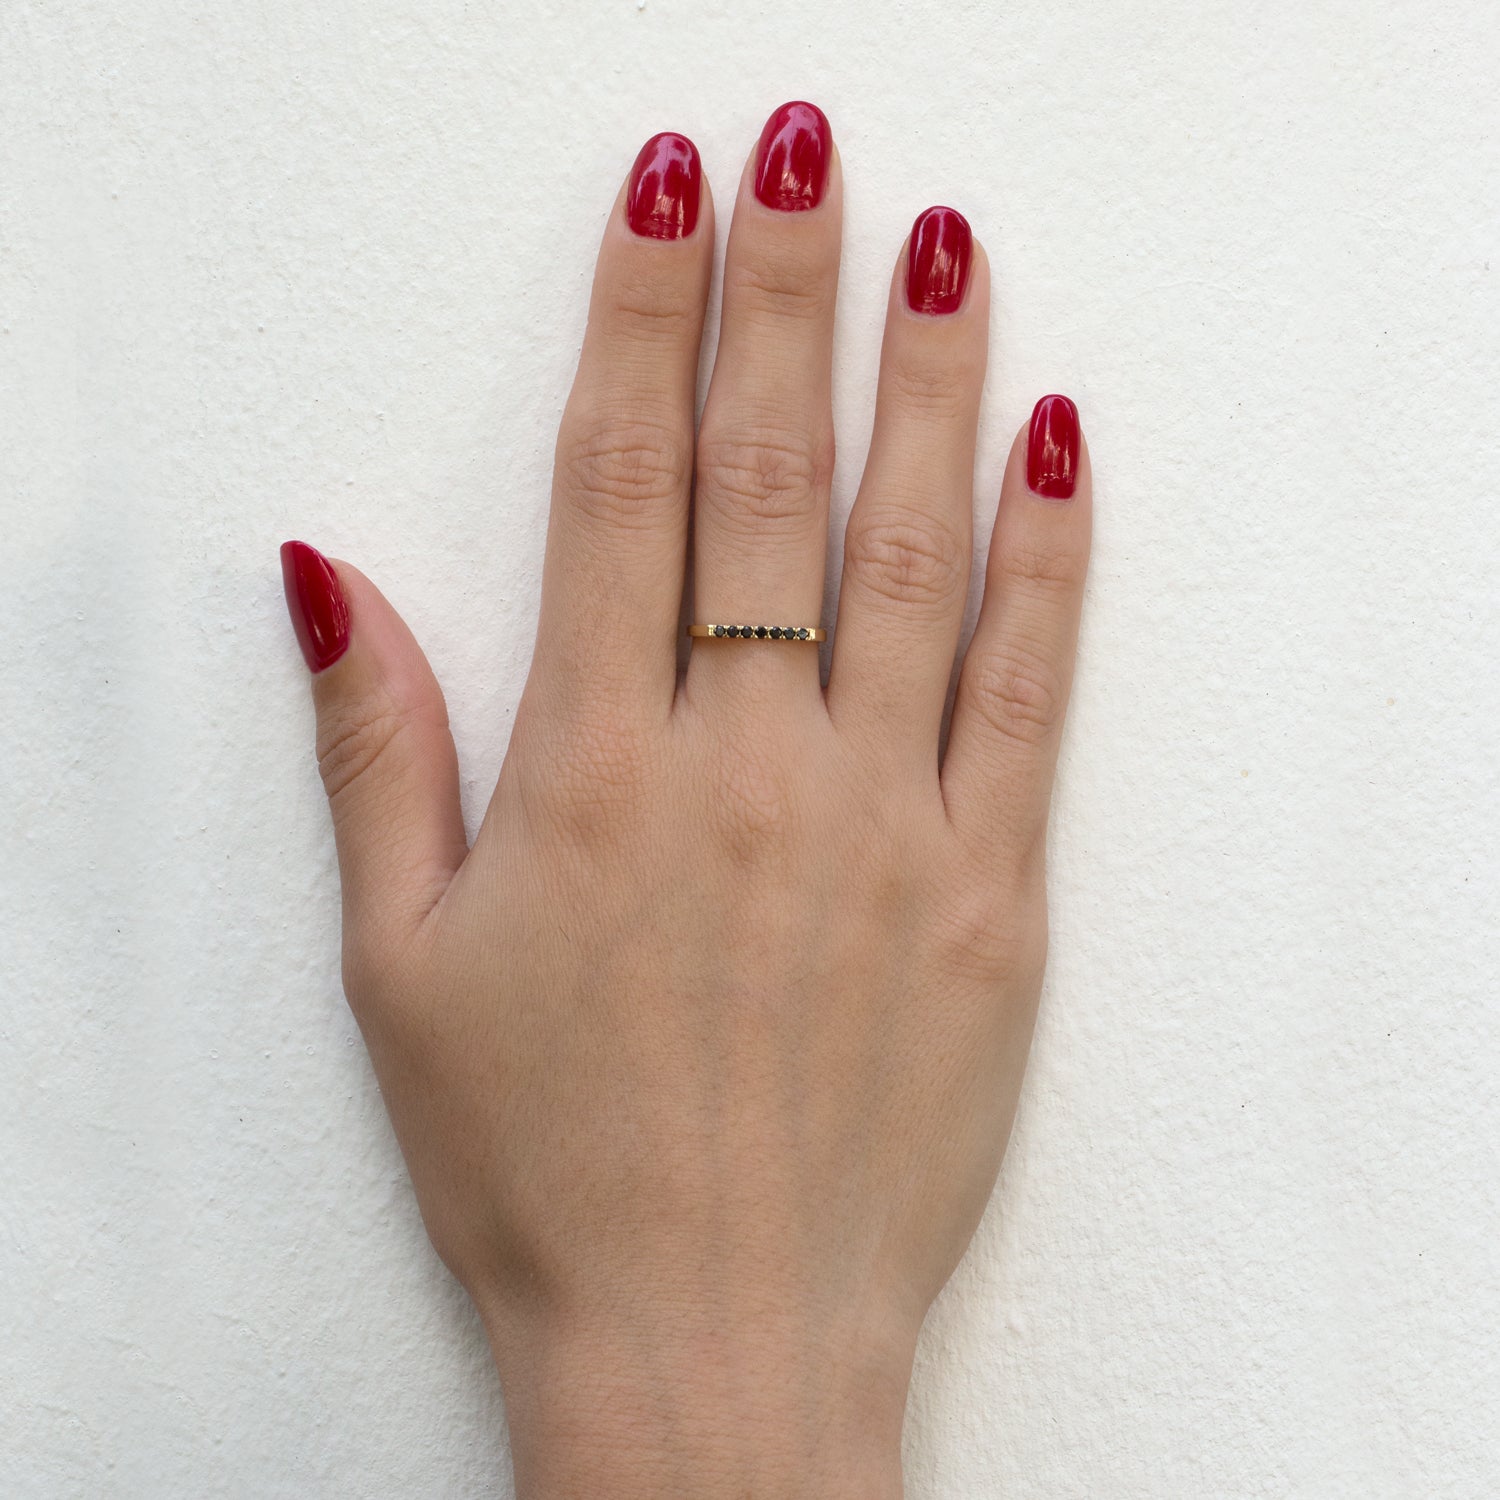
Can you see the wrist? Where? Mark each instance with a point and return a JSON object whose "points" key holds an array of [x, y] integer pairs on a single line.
{"points": [[687, 1404]]}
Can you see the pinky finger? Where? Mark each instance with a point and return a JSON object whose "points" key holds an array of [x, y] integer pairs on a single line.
{"points": [[1018, 671]]}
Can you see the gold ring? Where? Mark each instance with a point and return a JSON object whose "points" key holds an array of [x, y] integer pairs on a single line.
{"points": [[761, 632]]}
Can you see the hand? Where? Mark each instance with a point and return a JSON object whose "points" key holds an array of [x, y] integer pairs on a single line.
{"points": [[704, 1057]]}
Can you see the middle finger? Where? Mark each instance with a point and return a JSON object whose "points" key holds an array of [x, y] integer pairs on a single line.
{"points": [[765, 446]]}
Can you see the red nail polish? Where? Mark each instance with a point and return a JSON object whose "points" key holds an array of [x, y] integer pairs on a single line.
{"points": [[792, 161], [665, 185], [938, 261], [1052, 448], [320, 615]]}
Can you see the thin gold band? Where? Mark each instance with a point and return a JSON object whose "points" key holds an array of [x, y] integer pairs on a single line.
{"points": [[761, 632]]}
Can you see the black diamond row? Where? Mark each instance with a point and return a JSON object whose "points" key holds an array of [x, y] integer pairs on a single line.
{"points": [[765, 632]]}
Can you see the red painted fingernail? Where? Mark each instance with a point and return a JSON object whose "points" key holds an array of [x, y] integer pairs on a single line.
{"points": [[792, 161], [665, 185], [320, 615], [1052, 448], [938, 261]]}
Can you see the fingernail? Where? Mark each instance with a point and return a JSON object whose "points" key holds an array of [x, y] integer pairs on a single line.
{"points": [[938, 261], [319, 613], [1052, 448], [665, 185], [792, 161]]}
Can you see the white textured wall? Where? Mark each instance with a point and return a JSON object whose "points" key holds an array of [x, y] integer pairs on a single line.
{"points": [[272, 269]]}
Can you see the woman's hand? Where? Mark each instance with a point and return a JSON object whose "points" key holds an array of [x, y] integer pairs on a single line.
{"points": [[704, 1057]]}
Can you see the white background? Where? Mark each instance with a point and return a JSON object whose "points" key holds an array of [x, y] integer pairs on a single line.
{"points": [[274, 269]]}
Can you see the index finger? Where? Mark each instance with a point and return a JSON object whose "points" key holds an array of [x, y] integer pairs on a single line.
{"points": [[617, 535]]}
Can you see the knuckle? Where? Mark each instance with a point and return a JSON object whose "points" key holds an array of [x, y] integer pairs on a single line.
{"points": [[1049, 570], [907, 558], [1019, 694], [655, 311], [790, 284], [994, 927], [974, 933], [377, 963], [767, 475], [757, 812], [943, 393], [353, 740], [1028, 862], [622, 469], [595, 777]]}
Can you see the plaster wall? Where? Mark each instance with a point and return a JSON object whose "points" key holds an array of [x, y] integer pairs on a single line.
{"points": [[272, 269]]}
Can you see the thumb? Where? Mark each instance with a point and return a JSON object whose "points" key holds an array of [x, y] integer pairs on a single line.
{"points": [[384, 748]]}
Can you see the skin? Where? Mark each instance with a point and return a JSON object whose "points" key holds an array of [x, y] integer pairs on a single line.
{"points": [[704, 1057]]}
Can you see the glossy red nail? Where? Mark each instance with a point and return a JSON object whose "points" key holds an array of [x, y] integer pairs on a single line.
{"points": [[792, 161], [1052, 448], [938, 261], [320, 615], [665, 185]]}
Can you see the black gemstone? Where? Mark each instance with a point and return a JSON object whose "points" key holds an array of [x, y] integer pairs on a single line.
{"points": [[760, 631], [776, 632], [747, 631], [789, 632], [802, 632], [718, 630]]}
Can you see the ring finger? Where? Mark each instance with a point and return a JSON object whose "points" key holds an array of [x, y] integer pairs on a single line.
{"points": [[909, 541]]}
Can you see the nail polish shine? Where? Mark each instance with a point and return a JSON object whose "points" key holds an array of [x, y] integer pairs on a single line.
{"points": [[1052, 448], [320, 614], [938, 260], [666, 183], [793, 159]]}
